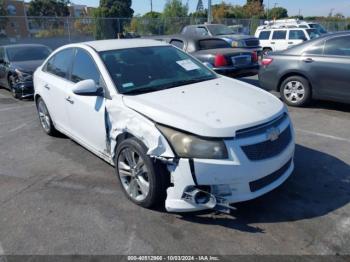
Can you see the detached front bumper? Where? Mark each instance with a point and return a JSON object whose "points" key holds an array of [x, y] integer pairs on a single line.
{"points": [[24, 89], [233, 180]]}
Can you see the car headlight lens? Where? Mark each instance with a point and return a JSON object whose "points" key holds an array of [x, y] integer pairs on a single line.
{"points": [[23, 76], [191, 146], [237, 43]]}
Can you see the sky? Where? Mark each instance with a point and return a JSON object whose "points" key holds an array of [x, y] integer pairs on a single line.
{"points": [[308, 7]]}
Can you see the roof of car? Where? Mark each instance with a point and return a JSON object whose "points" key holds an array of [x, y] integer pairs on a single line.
{"points": [[113, 44]]}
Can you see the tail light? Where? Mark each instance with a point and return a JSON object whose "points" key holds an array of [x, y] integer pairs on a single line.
{"points": [[220, 60], [255, 57], [266, 61]]}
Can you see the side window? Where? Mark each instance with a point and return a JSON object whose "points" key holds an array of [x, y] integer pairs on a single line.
{"points": [[201, 31], [303, 26], [84, 68], [59, 64], [177, 43], [339, 46], [316, 49], [264, 35], [297, 35], [279, 35]]}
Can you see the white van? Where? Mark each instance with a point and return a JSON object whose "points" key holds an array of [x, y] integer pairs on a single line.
{"points": [[283, 38]]}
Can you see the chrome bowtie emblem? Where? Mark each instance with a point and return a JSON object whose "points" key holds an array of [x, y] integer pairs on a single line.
{"points": [[273, 134]]}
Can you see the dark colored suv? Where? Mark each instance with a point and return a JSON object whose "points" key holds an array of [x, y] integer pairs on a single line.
{"points": [[317, 69]]}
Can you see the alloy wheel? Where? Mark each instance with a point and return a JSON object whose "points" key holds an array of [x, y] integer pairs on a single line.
{"points": [[44, 116], [133, 174]]}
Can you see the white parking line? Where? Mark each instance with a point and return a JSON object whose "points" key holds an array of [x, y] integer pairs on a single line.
{"points": [[15, 107], [16, 128], [322, 135]]}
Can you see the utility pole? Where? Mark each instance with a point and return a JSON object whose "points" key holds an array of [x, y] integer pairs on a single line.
{"points": [[151, 6], [268, 10], [209, 12]]}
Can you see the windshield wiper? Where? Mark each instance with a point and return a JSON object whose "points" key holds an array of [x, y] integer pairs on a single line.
{"points": [[141, 91]]}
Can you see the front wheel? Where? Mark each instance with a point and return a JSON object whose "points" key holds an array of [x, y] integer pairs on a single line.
{"points": [[11, 84], [141, 181], [295, 91]]}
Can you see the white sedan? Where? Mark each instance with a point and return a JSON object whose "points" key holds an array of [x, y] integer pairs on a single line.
{"points": [[173, 129]]}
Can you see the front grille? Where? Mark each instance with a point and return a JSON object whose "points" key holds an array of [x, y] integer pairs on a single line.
{"points": [[252, 42], [267, 180], [268, 149], [260, 129]]}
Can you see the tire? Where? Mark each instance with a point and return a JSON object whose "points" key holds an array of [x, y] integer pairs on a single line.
{"points": [[142, 179], [296, 91], [45, 118], [266, 51], [13, 91]]}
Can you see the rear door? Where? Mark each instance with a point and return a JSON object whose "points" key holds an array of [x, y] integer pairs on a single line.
{"points": [[279, 40], [55, 83], [336, 68], [328, 66]]}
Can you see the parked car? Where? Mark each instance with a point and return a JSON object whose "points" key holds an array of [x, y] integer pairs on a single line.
{"points": [[281, 39], [218, 55], [17, 64], [318, 69], [172, 127], [224, 32], [292, 23]]}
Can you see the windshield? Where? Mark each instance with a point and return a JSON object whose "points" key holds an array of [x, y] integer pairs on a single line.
{"points": [[27, 53], [220, 30], [320, 29], [313, 33], [148, 69]]}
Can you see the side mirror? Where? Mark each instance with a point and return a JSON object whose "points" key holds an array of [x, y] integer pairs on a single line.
{"points": [[304, 39], [87, 88], [2, 61]]}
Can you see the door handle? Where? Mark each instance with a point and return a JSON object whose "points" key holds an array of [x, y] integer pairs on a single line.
{"points": [[290, 43], [47, 86], [308, 60], [272, 43], [69, 99]]}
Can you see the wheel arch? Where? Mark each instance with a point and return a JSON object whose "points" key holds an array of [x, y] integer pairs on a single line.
{"points": [[289, 74]]}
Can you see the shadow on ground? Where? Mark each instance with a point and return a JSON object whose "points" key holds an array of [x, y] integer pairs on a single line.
{"points": [[320, 184]]}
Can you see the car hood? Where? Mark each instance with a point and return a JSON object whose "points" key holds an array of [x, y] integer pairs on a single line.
{"points": [[27, 66], [215, 108]]}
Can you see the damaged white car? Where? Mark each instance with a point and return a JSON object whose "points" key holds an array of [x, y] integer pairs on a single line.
{"points": [[173, 129]]}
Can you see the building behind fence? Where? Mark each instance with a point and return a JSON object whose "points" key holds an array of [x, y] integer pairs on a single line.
{"points": [[57, 31]]}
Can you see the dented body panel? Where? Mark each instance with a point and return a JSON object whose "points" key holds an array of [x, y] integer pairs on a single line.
{"points": [[240, 115]]}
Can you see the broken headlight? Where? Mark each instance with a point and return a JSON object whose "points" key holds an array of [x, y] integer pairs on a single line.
{"points": [[191, 146]]}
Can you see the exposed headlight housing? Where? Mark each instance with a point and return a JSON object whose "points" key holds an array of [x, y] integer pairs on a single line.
{"points": [[23, 76], [191, 146], [237, 43]]}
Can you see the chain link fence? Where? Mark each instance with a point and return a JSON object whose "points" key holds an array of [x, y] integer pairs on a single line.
{"points": [[57, 31]]}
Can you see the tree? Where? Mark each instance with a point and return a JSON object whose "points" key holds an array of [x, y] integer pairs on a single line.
{"points": [[48, 8], [221, 11], [254, 9], [174, 16], [260, 2], [278, 13], [110, 28]]}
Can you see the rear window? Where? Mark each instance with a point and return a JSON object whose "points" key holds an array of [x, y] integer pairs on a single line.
{"points": [[27, 53], [264, 35], [177, 43], [212, 44], [279, 35]]}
